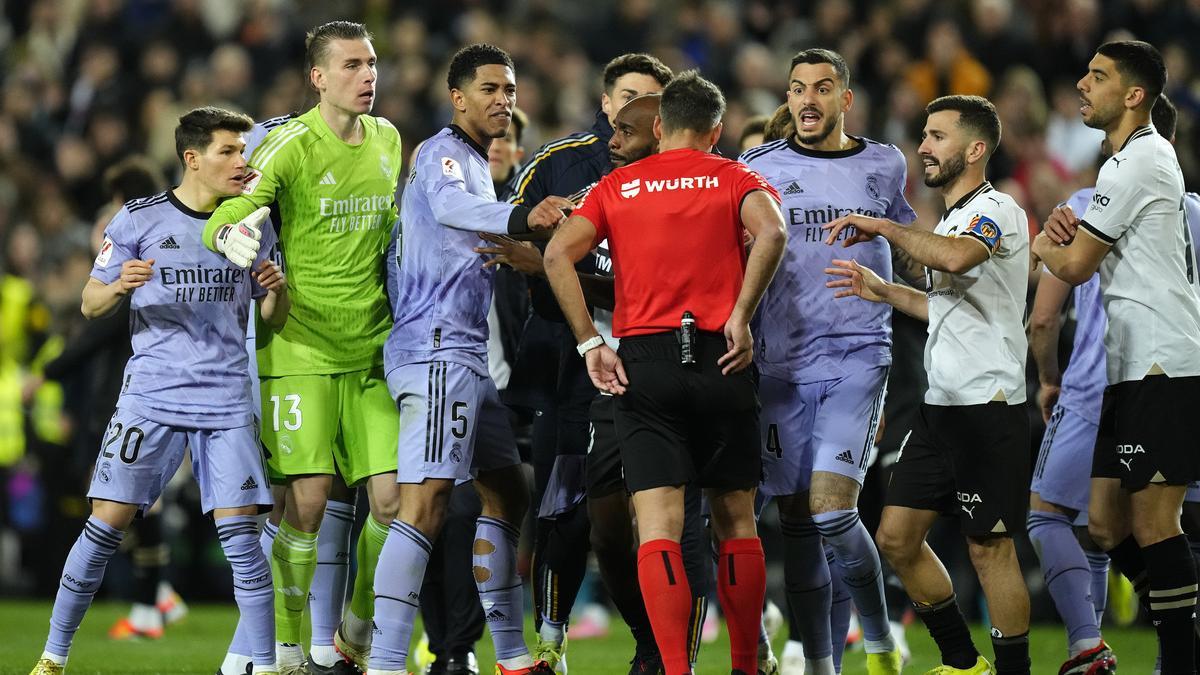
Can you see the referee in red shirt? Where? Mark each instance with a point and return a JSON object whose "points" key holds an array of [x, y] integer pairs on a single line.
{"points": [[686, 409]]}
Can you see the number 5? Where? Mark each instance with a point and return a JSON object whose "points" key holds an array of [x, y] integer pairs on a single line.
{"points": [[458, 416]]}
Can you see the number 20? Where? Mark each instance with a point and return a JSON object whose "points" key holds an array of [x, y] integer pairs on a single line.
{"points": [[294, 411]]}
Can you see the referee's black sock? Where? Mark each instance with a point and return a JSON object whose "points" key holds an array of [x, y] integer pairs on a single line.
{"points": [[1127, 558], [1172, 574], [1012, 653], [949, 630]]}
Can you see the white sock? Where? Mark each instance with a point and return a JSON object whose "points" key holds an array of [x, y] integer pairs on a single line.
{"points": [[60, 660], [289, 654], [1080, 646], [263, 668], [879, 646], [235, 664], [145, 617], [376, 671], [551, 633], [793, 648], [819, 666], [517, 662], [324, 655]]}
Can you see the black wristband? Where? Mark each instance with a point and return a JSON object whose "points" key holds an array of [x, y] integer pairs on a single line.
{"points": [[518, 219]]}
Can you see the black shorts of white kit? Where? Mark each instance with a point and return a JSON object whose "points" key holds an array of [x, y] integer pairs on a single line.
{"points": [[680, 424], [604, 473], [971, 461], [1147, 434]]}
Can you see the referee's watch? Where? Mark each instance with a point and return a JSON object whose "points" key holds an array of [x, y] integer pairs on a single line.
{"points": [[589, 344]]}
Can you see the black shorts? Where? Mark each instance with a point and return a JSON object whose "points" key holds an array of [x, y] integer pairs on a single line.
{"points": [[603, 473], [681, 424], [971, 461], [1146, 432]]}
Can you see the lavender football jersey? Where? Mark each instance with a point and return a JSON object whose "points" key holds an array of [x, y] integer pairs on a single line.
{"points": [[1085, 378], [804, 333], [188, 322], [439, 290]]}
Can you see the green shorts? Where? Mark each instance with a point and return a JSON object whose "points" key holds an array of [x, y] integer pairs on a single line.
{"points": [[313, 422]]}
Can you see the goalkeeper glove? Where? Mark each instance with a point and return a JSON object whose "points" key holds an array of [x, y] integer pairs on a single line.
{"points": [[239, 242]]}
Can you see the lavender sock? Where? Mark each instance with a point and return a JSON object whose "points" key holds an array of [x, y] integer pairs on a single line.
{"points": [[252, 589], [397, 594], [81, 577], [241, 644], [1068, 575], [495, 563]]}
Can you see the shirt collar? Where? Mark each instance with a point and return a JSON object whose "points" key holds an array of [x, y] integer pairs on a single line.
{"points": [[983, 187], [466, 138]]}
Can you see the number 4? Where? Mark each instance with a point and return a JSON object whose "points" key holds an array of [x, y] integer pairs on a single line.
{"points": [[294, 411]]}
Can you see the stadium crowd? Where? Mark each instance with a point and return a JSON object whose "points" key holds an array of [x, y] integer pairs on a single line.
{"points": [[89, 83]]}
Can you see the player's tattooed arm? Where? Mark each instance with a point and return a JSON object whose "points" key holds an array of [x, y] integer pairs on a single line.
{"points": [[911, 271]]}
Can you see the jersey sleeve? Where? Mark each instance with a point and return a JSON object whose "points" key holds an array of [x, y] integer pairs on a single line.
{"points": [[747, 180], [273, 165], [899, 209], [120, 244], [592, 208], [440, 172], [1118, 200], [268, 251], [985, 229]]}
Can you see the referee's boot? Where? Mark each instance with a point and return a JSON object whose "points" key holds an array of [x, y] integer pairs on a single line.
{"points": [[1098, 660], [981, 667]]}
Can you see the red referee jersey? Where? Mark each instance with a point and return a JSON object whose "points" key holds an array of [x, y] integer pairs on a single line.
{"points": [[674, 231]]}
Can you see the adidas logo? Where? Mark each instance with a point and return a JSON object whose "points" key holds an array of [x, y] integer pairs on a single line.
{"points": [[328, 179], [250, 484], [845, 456], [496, 615], [793, 188], [169, 243]]}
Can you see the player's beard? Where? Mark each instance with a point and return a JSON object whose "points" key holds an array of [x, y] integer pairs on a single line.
{"points": [[817, 137], [1102, 118], [948, 171]]}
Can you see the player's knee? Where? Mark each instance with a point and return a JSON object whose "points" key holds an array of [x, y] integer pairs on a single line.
{"points": [[1150, 530], [896, 546], [1104, 531], [385, 505], [988, 552]]}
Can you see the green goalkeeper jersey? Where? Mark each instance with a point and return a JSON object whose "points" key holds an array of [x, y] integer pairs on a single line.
{"points": [[337, 205]]}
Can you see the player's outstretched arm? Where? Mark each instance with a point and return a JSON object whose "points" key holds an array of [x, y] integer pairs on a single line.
{"points": [[275, 305], [955, 255], [854, 280], [100, 299]]}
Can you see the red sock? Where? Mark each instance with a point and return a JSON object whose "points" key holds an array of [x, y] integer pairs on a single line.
{"points": [[668, 601], [741, 585]]}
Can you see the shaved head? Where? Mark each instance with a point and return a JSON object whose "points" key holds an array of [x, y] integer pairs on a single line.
{"points": [[633, 131]]}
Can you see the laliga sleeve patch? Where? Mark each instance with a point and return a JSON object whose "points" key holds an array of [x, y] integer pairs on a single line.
{"points": [[105, 255], [251, 181], [985, 230], [450, 167]]}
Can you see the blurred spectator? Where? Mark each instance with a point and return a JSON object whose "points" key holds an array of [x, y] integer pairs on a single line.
{"points": [[948, 67]]}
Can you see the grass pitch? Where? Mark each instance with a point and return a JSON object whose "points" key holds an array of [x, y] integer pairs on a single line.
{"points": [[198, 644]]}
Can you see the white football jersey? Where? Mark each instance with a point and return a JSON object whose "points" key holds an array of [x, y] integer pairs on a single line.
{"points": [[976, 347], [1149, 277]]}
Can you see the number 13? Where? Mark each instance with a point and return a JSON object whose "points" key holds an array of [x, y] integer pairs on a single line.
{"points": [[294, 411]]}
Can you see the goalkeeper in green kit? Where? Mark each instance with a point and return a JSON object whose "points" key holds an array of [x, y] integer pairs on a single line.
{"points": [[326, 410]]}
